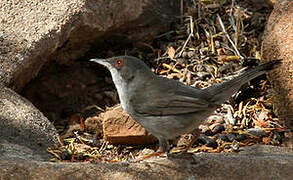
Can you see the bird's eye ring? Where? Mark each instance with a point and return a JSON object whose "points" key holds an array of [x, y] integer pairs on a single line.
{"points": [[119, 63]]}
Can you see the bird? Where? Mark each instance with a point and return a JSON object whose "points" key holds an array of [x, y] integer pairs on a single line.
{"points": [[168, 108]]}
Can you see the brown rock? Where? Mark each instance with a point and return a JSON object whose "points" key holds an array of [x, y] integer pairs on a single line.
{"points": [[278, 44], [94, 124], [119, 127]]}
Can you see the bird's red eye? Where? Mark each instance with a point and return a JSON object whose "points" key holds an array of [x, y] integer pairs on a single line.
{"points": [[119, 63]]}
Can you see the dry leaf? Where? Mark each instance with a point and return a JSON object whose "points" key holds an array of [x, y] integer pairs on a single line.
{"points": [[171, 52]]}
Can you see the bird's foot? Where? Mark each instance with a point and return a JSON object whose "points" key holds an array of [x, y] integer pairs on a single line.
{"points": [[155, 154]]}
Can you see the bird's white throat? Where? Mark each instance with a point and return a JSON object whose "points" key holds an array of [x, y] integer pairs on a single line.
{"points": [[123, 89]]}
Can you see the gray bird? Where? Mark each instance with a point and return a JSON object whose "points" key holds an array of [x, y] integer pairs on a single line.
{"points": [[165, 107]]}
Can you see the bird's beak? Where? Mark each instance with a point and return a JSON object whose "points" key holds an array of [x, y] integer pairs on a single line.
{"points": [[101, 61]]}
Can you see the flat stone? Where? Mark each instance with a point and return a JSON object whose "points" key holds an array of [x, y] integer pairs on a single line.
{"points": [[120, 128], [257, 162]]}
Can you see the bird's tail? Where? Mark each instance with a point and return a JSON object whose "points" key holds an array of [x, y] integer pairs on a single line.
{"points": [[219, 93]]}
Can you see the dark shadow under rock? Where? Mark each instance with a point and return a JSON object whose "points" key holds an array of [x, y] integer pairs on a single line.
{"points": [[62, 90]]}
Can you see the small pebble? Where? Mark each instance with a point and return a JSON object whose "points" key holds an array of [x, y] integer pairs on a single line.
{"points": [[209, 133], [231, 137], [203, 139], [212, 143], [223, 137], [280, 136], [218, 128], [240, 137], [65, 155]]}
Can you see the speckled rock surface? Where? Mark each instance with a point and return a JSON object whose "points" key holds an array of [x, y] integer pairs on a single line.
{"points": [[257, 162], [35, 32], [24, 131], [278, 44]]}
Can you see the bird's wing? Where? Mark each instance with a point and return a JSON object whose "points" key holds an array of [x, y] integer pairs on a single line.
{"points": [[169, 97]]}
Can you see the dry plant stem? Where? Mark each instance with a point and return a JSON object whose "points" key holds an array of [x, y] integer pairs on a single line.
{"points": [[232, 21], [212, 43], [237, 27], [164, 34], [60, 141], [199, 9], [189, 36], [93, 106], [228, 37]]}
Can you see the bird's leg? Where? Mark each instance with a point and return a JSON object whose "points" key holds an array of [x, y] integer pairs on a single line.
{"points": [[163, 147], [195, 134]]}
